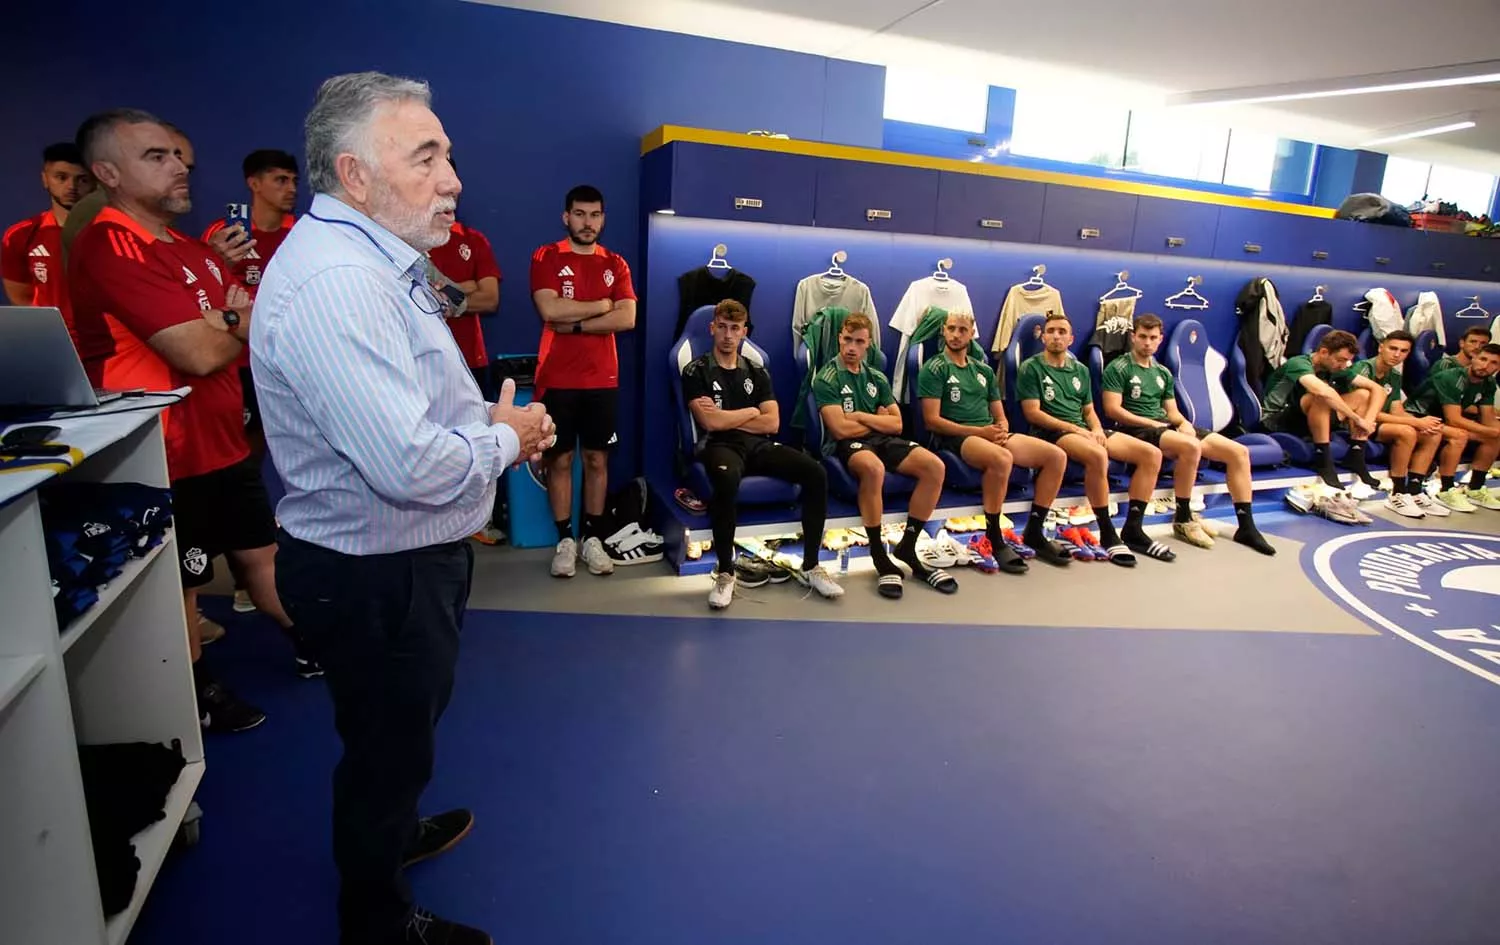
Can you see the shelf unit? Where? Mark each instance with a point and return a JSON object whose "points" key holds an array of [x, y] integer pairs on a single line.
{"points": [[120, 672]]}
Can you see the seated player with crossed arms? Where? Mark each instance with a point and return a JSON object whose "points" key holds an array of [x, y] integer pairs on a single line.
{"points": [[1452, 395], [1140, 397], [1413, 440], [1056, 396], [733, 405], [963, 411], [862, 428]]}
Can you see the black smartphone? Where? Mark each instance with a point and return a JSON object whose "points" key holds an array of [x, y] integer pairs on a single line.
{"points": [[30, 436]]}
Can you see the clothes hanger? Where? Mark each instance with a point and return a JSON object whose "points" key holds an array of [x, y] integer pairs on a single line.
{"points": [[1195, 301], [1472, 310], [1317, 295], [941, 273], [717, 260], [1121, 285], [833, 271], [1036, 281], [1364, 307]]}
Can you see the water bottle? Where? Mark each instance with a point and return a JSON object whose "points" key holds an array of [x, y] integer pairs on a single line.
{"points": [[844, 560]]}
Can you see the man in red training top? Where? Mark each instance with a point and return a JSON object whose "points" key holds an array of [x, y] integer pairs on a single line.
{"points": [[584, 295], [31, 257]]}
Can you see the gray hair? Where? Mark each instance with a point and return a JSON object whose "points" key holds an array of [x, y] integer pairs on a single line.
{"points": [[95, 138], [339, 122]]}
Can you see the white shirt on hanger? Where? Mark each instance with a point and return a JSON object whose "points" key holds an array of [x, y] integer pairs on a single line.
{"points": [[949, 294]]}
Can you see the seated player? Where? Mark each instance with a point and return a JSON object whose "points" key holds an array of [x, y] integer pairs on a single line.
{"points": [[735, 409], [1304, 394], [1140, 397], [962, 409], [1452, 394], [1413, 440], [1470, 344], [1055, 392], [862, 428]]}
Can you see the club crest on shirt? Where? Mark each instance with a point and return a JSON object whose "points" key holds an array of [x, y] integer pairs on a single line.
{"points": [[195, 560], [749, 386], [609, 277], [214, 268], [252, 275], [1135, 388], [39, 272], [1161, 382], [953, 393], [463, 252], [1077, 384], [871, 389], [567, 290]]}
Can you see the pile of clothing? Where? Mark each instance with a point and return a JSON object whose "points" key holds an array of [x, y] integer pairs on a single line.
{"points": [[91, 529], [125, 788]]}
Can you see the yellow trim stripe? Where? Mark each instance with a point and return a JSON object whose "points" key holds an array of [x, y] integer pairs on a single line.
{"points": [[667, 134]]}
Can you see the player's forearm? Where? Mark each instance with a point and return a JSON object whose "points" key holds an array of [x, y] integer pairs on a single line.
{"points": [[483, 299], [881, 423], [945, 427], [616, 320], [1125, 418], [19, 293], [845, 427], [717, 421], [763, 423], [1043, 420], [566, 311]]}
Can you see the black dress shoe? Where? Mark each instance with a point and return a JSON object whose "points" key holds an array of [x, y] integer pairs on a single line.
{"points": [[438, 835], [424, 928]]}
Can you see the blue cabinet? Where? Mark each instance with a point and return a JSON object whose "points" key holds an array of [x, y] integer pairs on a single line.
{"points": [[1323, 243], [1389, 249], [1174, 227], [1452, 256], [741, 184], [989, 208], [1260, 236], [856, 195], [1093, 219]]}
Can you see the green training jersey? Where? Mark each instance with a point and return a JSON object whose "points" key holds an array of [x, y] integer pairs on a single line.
{"points": [[1450, 387], [1143, 391], [1062, 390], [863, 392], [965, 392], [1284, 388]]}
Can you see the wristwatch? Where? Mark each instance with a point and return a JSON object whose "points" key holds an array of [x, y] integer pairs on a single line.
{"points": [[231, 318], [578, 328]]}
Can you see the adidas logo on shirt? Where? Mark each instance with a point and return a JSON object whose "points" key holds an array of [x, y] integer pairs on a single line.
{"points": [[846, 390], [952, 379], [252, 255], [716, 386], [39, 251], [567, 273], [188, 274]]}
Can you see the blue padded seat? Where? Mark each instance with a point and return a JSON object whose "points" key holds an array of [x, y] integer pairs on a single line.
{"points": [[1199, 373]]}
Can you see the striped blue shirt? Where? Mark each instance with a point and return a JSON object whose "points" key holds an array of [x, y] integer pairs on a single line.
{"points": [[373, 420]]}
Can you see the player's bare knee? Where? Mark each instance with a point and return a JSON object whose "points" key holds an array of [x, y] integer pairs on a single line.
{"points": [[595, 461]]}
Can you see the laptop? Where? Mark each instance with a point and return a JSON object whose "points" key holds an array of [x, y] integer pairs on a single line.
{"points": [[39, 366]]}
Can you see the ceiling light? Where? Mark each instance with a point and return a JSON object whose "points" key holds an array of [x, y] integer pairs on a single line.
{"points": [[1420, 133], [1475, 73]]}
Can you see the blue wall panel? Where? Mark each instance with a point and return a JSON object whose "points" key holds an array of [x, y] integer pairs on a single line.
{"points": [[777, 257]]}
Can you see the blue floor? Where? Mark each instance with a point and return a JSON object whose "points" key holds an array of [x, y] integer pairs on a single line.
{"points": [[684, 782]]}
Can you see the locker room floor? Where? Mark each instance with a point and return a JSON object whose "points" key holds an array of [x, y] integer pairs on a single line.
{"points": [[1019, 763]]}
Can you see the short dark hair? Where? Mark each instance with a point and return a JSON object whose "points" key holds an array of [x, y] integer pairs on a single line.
{"points": [[1147, 322], [583, 193], [1490, 348], [96, 128], [1477, 330], [731, 311], [1056, 316], [1400, 334], [268, 159], [1336, 341], [64, 152]]}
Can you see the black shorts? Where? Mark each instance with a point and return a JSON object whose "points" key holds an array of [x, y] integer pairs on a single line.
{"points": [[583, 416], [1289, 420], [252, 406], [1048, 435], [953, 444], [225, 510], [1152, 435], [890, 450]]}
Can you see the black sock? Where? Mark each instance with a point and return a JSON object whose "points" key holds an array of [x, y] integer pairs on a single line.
{"points": [[878, 555], [201, 679], [1243, 515], [992, 529], [1034, 533], [1323, 463], [1447, 482], [1354, 461], [1107, 535], [1415, 482], [1184, 510], [1247, 534], [564, 529], [908, 543], [593, 526], [1477, 478]]}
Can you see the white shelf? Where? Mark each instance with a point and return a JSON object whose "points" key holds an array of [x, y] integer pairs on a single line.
{"points": [[111, 592], [151, 846], [90, 433], [15, 673]]}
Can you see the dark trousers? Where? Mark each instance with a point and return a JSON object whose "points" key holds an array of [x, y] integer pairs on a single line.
{"points": [[728, 464], [386, 630]]}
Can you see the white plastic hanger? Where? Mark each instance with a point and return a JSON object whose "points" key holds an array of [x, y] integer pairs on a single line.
{"points": [[941, 273], [833, 271], [717, 260], [1121, 285], [1472, 310], [1036, 281], [1195, 302], [1317, 295]]}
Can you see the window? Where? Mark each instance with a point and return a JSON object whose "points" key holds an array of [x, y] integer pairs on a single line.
{"points": [[926, 98], [1171, 147], [1473, 191], [1251, 159], [1405, 180], [1068, 129]]}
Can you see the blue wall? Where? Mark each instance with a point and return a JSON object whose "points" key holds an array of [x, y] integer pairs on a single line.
{"points": [[777, 257], [534, 103]]}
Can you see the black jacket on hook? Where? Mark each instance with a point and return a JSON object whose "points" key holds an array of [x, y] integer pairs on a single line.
{"points": [[699, 287], [1263, 331]]}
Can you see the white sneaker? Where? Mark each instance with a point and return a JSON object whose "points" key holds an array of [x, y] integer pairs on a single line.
{"points": [[1430, 506], [564, 560], [597, 559], [821, 581], [634, 545], [1360, 492], [242, 602], [723, 591], [1406, 505]]}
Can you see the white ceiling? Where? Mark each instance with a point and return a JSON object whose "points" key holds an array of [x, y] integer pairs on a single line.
{"points": [[1136, 52]]}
